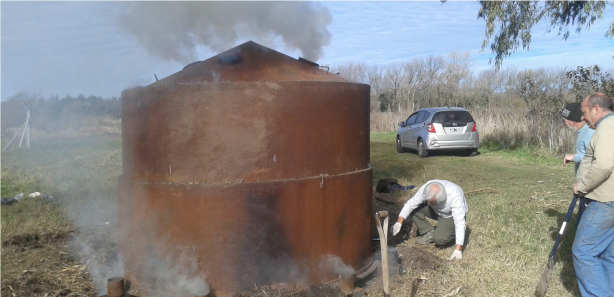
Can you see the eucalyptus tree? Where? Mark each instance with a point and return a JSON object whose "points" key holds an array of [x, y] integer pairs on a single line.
{"points": [[511, 22], [587, 80]]}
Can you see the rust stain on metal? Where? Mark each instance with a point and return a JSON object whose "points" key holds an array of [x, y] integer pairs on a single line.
{"points": [[253, 164]]}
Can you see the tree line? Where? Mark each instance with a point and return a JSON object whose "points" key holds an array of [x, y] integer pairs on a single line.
{"points": [[513, 108], [398, 89], [401, 87], [46, 112], [448, 81]]}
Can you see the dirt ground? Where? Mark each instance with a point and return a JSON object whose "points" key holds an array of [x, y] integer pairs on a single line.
{"points": [[49, 267], [418, 261], [51, 264]]}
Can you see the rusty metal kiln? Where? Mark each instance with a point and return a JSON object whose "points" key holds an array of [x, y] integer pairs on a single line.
{"points": [[246, 169]]}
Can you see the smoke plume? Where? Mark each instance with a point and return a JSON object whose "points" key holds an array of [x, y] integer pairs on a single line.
{"points": [[335, 264], [175, 30]]}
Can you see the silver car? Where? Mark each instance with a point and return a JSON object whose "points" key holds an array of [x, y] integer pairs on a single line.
{"points": [[438, 128]]}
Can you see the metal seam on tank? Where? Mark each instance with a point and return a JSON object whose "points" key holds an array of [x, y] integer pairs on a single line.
{"points": [[240, 181], [229, 82]]}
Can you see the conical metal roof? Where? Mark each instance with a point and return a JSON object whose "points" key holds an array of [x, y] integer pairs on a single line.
{"points": [[251, 61]]}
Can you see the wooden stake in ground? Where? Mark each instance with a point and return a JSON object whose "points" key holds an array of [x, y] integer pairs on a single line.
{"points": [[383, 240]]}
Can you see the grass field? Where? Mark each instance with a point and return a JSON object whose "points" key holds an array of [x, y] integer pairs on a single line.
{"points": [[512, 227], [517, 202], [54, 246]]}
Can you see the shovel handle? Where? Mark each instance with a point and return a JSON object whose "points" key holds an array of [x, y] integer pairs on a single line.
{"points": [[384, 248], [562, 231], [382, 214]]}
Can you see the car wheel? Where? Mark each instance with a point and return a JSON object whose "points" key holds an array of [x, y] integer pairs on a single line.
{"points": [[422, 152], [400, 148], [473, 152]]}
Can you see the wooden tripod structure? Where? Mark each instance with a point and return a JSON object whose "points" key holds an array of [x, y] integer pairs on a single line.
{"points": [[24, 130]]}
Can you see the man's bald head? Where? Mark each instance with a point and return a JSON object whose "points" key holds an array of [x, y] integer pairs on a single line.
{"points": [[435, 193]]}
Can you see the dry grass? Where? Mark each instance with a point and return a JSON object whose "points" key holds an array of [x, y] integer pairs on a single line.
{"points": [[67, 128], [78, 127], [37, 266], [50, 222], [386, 121], [53, 247], [503, 129]]}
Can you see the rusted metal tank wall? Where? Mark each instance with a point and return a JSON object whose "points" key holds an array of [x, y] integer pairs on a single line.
{"points": [[258, 181]]}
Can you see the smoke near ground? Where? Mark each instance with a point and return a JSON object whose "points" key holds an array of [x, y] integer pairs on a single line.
{"points": [[335, 264], [174, 273], [175, 30]]}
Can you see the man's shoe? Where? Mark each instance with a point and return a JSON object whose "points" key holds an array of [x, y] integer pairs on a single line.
{"points": [[426, 238]]}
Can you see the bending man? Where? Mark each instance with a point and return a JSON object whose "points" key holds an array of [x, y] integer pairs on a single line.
{"points": [[443, 201]]}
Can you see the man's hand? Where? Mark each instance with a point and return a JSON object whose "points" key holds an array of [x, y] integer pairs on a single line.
{"points": [[575, 189], [457, 255], [396, 228], [568, 158]]}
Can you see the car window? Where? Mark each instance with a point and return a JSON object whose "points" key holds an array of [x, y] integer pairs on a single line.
{"points": [[411, 119], [453, 116], [423, 116], [420, 113]]}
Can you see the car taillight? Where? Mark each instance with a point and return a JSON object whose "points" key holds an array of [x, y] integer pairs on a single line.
{"points": [[475, 128], [430, 128]]}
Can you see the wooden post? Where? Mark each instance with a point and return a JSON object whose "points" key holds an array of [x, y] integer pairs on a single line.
{"points": [[25, 133]]}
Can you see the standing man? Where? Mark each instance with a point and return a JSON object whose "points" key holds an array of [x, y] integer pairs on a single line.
{"points": [[443, 201], [572, 116], [593, 246]]}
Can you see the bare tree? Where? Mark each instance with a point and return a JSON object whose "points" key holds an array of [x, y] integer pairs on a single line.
{"points": [[414, 81], [432, 66], [394, 76], [456, 69], [354, 72], [374, 75]]}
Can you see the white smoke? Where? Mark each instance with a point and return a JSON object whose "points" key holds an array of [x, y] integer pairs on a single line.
{"points": [[335, 264], [175, 30], [99, 269], [175, 273], [180, 275]]}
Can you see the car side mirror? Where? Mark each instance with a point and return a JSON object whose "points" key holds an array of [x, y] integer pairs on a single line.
{"points": [[402, 124]]}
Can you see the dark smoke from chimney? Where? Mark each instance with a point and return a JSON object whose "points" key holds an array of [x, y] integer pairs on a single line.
{"points": [[175, 30]]}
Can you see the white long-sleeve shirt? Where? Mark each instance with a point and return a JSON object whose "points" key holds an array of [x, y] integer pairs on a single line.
{"points": [[455, 206]]}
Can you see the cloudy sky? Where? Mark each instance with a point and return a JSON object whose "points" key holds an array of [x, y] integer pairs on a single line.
{"points": [[102, 48]]}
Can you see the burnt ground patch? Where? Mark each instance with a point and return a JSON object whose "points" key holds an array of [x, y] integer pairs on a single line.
{"points": [[418, 259], [35, 265]]}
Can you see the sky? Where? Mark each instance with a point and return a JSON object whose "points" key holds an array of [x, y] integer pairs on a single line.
{"points": [[102, 48]]}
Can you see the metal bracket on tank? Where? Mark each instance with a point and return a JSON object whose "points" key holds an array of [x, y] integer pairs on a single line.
{"points": [[321, 67], [316, 66]]}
